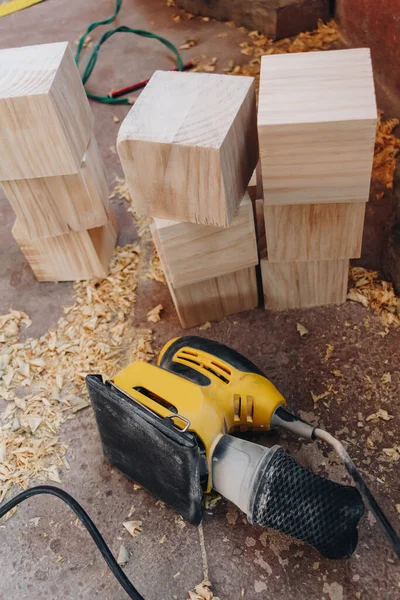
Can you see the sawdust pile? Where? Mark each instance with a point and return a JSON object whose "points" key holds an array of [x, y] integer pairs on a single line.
{"points": [[387, 148], [375, 294], [42, 380], [121, 190]]}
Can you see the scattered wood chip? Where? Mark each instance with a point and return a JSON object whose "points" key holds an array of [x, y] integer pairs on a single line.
{"points": [[317, 397], [211, 500], [302, 331], [203, 590], [52, 474], [154, 315], [392, 453], [376, 294], [380, 414], [397, 508], [176, 18], [10, 514], [188, 44], [163, 539], [205, 326], [123, 556], [386, 378], [131, 511], [337, 373], [77, 403], [133, 527], [329, 349], [116, 119]]}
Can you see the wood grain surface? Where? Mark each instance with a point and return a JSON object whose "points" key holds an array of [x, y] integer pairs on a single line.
{"points": [[72, 256], [52, 206], [314, 231], [316, 123], [196, 134], [216, 298], [45, 118], [195, 252], [304, 284]]}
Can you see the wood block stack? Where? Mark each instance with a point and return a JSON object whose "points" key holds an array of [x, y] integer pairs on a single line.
{"points": [[316, 125], [188, 148], [50, 165]]}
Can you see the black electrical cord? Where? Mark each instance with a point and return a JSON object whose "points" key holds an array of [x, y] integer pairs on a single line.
{"points": [[87, 522]]}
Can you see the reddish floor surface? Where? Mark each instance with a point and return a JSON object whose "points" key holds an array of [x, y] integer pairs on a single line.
{"points": [[242, 563]]}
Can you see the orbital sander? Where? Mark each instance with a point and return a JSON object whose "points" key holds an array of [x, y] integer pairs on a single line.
{"points": [[171, 429]]}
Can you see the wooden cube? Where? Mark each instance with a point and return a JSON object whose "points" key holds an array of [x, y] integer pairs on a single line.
{"points": [[194, 253], [316, 124], [72, 256], [45, 118], [216, 298], [314, 231], [304, 284], [189, 146], [52, 206]]}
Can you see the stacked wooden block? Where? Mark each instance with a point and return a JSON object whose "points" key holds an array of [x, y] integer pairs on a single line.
{"points": [[188, 148], [50, 165], [316, 126]]}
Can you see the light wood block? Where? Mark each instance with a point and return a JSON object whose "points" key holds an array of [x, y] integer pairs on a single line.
{"points": [[72, 256], [45, 118], [316, 125], [194, 253], [314, 231], [189, 146], [215, 298], [52, 206], [304, 284]]}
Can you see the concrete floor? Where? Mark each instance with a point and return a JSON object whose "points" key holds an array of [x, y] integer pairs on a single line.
{"points": [[242, 562]]}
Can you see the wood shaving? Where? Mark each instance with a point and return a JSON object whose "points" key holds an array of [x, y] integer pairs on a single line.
{"points": [[171, 3], [176, 18], [317, 397], [337, 373], [133, 527], [397, 506], [155, 271], [88, 43], [116, 119], [302, 331], [188, 44], [88, 338], [142, 349], [204, 65], [123, 556], [163, 539], [154, 315], [10, 514], [392, 453], [179, 522], [329, 349], [386, 378], [211, 500], [374, 293], [202, 591], [380, 414], [205, 326], [387, 148]]}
